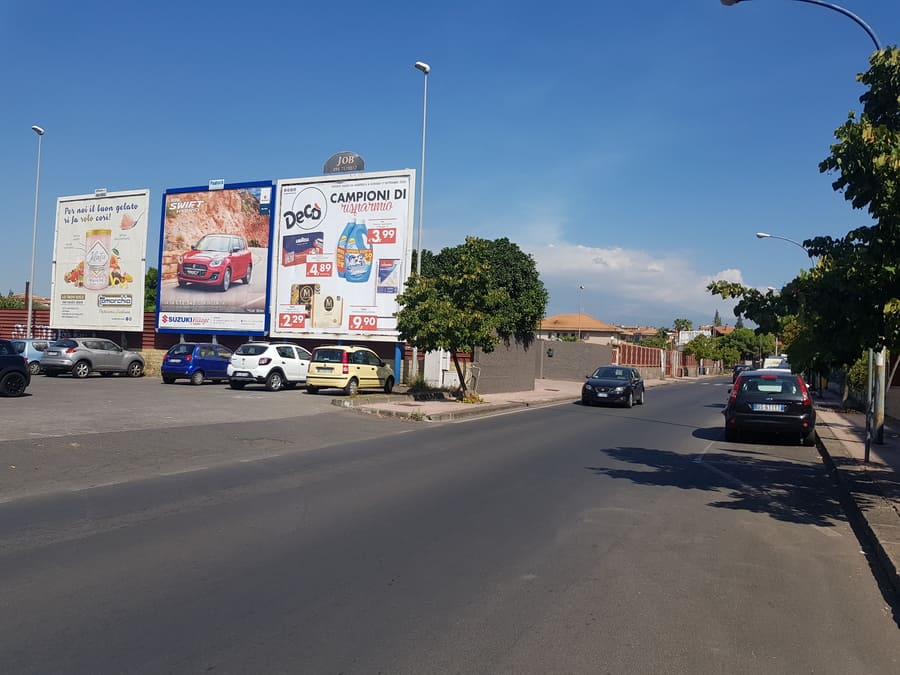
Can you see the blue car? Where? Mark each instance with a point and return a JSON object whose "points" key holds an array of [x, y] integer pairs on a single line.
{"points": [[197, 362]]}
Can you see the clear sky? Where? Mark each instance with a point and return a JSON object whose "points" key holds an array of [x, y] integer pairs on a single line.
{"points": [[633, 148]]}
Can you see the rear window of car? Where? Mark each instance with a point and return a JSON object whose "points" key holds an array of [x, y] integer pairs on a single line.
{"points": [[251, 349], [789, 386], [180, 349], [64, 344], [328, 355]]}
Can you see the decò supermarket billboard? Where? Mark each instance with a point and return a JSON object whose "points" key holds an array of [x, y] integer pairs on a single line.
{"points": [[340, 255]]}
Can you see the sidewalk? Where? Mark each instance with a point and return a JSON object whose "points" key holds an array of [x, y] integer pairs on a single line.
{"points": [[874, 488]]}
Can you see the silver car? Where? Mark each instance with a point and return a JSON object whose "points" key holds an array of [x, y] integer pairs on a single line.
{"points": [[82, 356]]}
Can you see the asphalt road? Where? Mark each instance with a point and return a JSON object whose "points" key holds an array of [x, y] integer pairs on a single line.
{"points": [[556, 540]]}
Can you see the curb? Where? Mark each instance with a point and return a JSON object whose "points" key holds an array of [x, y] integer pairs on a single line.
{"points": [[855, 483], [464, 411]]}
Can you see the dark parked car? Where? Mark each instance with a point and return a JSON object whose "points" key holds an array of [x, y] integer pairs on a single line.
{"points": [[196, 361], [82, 356], [14, 375], [738, 369], [216, 260], [32, 349], [771, 401], [613, 384]]}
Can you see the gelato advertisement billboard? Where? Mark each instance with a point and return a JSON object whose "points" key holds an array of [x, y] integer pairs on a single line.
{"points": [[214, 259], [340, 255], [99, 255]]}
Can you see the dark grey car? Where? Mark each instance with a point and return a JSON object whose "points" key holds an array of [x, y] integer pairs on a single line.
{"points": [[613, 384], [770, 401], [82, 356]]}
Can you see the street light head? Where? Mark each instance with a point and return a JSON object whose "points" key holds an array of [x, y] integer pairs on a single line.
{"points": [[38, 130], [762, 235], [424, 67]]}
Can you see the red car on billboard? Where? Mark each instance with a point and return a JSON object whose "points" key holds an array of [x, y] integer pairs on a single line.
{"points": [[216, 260]]}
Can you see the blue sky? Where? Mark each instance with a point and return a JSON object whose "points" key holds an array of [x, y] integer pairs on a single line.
{"points": [[631, 148]]}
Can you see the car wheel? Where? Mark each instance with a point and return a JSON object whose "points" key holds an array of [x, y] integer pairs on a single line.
{"points": [[197, 377], [312, 390], [274, 381], [226, 280], [13, 384], [237, 385], [629, 400], [81, 369], [809, 439], [388, 385], [135, 369], [34, 367], [168, 379], [247, 276], [352, 388], [643, 393], [731, 434]]}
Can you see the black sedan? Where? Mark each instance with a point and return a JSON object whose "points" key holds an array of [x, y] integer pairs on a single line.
{"points": [[738, 369], [772, 401], [622, 385]]}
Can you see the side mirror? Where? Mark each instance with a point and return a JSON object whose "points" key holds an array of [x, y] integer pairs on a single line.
{"points": [[193, 247]]}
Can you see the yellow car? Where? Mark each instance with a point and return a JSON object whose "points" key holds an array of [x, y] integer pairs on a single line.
{"points": [[349, 368]]}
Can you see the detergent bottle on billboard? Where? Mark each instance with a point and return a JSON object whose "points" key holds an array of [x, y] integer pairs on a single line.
{"points": [[358, 255], [342, 247]]}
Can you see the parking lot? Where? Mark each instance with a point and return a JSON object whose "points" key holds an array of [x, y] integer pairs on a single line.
{"points": [[64, 405]]}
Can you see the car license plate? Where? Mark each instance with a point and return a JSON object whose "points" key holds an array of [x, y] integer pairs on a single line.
{"points": [[768, 407], [241, 373], [324, 370], [174, 360], [52, 353], [602, 394]]}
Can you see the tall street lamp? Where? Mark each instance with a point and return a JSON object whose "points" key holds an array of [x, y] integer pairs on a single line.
{"points": [[766, 235], [29, 293], [580, 308], [837, 8], [879, 402], [425, 68]]}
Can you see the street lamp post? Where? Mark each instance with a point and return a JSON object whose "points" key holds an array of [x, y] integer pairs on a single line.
{"points": [[29, 292], [425, 68], [879, 400], [837, 8], [765, 235], [580, 308]]}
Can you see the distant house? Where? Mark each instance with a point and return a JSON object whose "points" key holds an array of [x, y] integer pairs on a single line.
{"points": [[637, 333], [579, 326]]}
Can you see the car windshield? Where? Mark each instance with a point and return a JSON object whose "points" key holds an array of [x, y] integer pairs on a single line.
{"points": [[251, 349], [64, 344], [215, 242], [328, 355], [770, 384], [611, 373], [182, 348]]}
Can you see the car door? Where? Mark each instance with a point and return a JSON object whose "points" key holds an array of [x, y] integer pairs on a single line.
{"points": [[93, 351], [299, 364], [113, 356], [637, 383], [369, 370]]}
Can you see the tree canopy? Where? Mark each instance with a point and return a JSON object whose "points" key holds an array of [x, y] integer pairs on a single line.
{"points": [[472, 296]]}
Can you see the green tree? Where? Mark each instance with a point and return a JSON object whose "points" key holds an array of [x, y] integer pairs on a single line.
{"points": [[151, 278], [683, 324], [659, 341], [11, 302], [702, 347], [717, 320], [472, 296]]}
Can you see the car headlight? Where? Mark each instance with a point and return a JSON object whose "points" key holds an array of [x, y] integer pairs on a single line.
{"points": [[216, 263], [588, 387], [619, 390]]}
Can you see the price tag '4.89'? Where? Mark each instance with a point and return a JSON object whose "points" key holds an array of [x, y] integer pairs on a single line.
{"points": [[319, 269]]}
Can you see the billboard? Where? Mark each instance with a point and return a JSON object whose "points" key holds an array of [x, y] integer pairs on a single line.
{"points": [[214, 259], [341, 254], [99, 256]]}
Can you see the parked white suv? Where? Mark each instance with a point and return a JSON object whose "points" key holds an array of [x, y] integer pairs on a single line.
{"points": [[275, 364]]}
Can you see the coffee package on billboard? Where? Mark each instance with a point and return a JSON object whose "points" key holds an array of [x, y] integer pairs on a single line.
{"points": [[295, 247]]}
